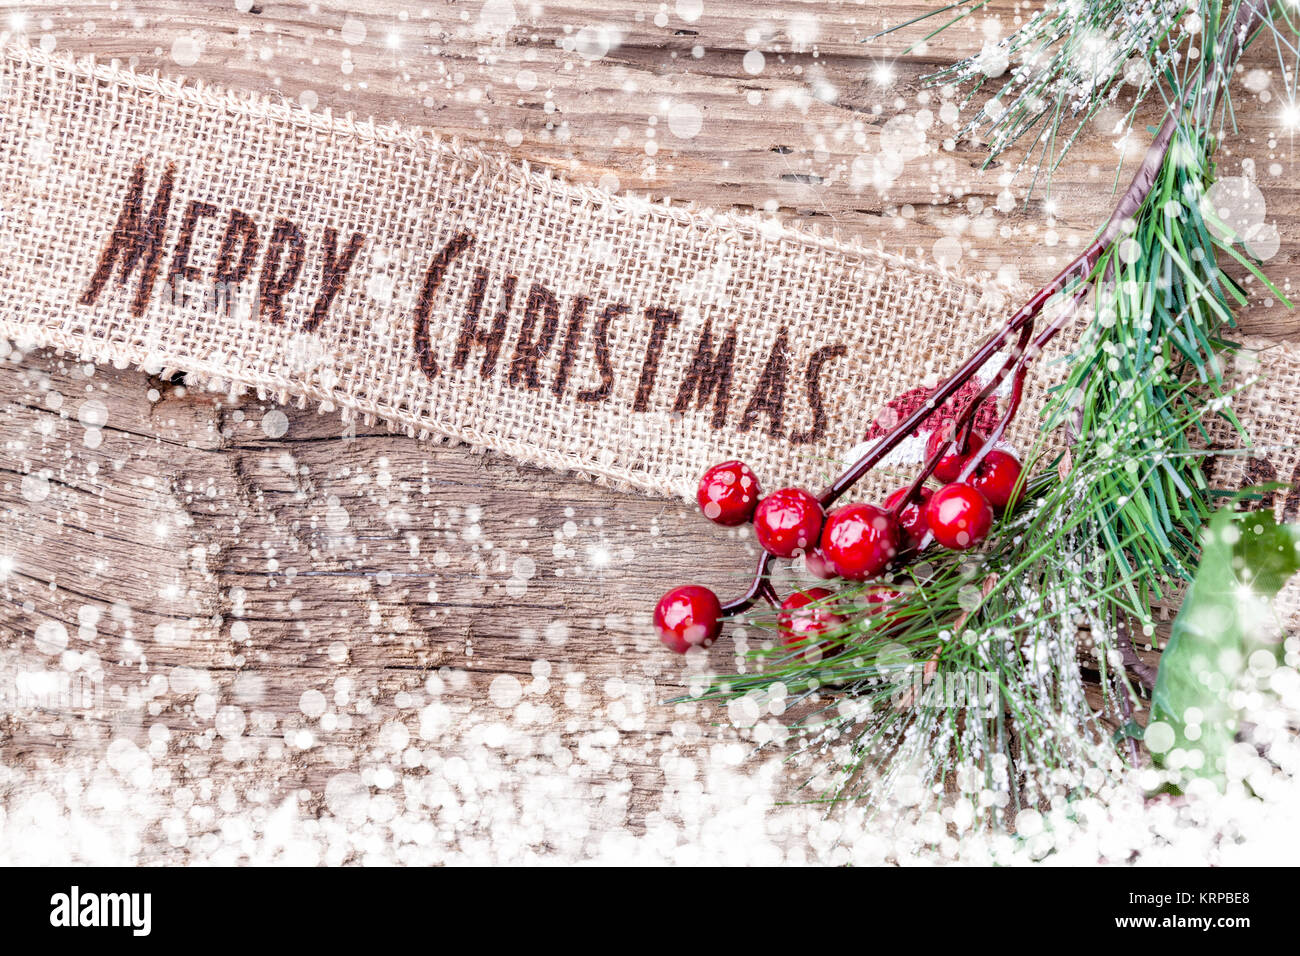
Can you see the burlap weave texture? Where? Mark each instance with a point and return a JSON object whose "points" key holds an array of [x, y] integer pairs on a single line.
{"points": [[629, 341], [452, 293]]}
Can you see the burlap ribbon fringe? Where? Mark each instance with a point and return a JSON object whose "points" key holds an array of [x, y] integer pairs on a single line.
{"points": [[392, 274]]}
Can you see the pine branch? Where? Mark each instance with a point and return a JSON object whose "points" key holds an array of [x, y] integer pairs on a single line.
{"points": [[1101, 531]]}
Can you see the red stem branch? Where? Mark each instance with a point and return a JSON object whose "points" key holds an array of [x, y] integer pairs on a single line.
{"points": [[1249, 16]]}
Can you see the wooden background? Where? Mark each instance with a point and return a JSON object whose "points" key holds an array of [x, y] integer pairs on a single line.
{"points": [[214, 570]]}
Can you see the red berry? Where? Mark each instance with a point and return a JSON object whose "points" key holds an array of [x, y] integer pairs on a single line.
{"points": [[881, 594], [996, 478], [859, 540], [911, 517], [884, 605], [688, 616], [788, 521], [950, 465], [802, 625], [959, 516], [728, 493]]}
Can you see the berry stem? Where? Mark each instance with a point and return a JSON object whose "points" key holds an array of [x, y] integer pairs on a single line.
{"points": [[962, 425], [1021, 359], [760, 587], [1074, 276]]}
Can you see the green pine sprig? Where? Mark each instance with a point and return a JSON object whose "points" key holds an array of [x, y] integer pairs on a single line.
{"points": [[1056, 598]]}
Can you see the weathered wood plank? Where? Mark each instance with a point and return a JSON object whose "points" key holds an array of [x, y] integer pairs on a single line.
{"points": [[785, 139], [252, 560]]}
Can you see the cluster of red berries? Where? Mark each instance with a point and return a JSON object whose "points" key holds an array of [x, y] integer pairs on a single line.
{"points": [[855, 542]]}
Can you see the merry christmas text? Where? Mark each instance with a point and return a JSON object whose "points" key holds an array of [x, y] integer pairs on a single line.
{"points": [[564, 347]]}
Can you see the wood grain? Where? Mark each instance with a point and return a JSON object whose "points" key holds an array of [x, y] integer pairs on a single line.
{"points": [[387, 573]]}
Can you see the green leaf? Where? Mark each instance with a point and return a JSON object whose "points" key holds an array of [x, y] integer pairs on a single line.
{"points": [[1226, 616], [1130, 729]]}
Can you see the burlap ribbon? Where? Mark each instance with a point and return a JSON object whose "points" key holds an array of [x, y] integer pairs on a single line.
{"points": [[455, 294]]}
